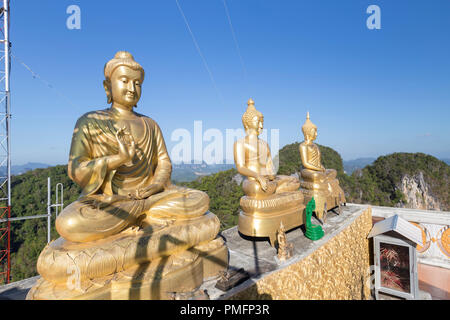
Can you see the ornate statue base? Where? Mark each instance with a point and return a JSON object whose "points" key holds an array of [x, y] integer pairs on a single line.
{"points": [[262, 217], [324, 189], [152, 263]]}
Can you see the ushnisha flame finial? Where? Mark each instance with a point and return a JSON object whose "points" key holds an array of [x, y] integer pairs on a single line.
{"points": [[308, 125], [250, 113]]}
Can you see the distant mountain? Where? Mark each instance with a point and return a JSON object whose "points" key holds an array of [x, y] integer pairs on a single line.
{"points": [[20, 169], [352, 165], [187, 172]]}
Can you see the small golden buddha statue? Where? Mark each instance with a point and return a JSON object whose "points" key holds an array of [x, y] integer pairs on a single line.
{"points": [[131, 234], [284, 247], [269, 199], [317, 181]]}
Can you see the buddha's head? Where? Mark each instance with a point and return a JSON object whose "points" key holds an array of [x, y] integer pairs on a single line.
{"points": [[309, 129], [123, 79], [252, 119]]}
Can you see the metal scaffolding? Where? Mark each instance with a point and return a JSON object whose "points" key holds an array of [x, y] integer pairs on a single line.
{"points": [[5, 156], [5, 218], [5, 145]]}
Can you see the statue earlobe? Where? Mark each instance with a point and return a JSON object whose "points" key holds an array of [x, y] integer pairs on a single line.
{"points": [[107, 86]]}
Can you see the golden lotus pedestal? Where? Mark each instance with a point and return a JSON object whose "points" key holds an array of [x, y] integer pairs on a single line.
{"points": [[327, 196], [154, 263], [262, 217], [336, 267]]}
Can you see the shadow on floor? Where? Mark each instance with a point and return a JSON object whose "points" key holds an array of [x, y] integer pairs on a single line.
{"points": [[14, 294]]}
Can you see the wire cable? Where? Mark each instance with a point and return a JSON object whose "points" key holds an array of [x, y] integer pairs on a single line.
{"points": [[200, 53], [235, 40], [48, 84]]}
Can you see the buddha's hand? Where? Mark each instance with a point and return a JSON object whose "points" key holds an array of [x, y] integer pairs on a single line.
{"points": [[262, 182], [146, 192], [127, 147]]}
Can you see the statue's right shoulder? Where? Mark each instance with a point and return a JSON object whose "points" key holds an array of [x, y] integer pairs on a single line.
{"points": [[94, 116]]}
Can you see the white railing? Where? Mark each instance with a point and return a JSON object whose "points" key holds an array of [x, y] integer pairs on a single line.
{"points": [[435, 226]]}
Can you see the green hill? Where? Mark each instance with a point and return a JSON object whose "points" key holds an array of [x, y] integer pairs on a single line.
{"points": [[28, 198], [224, 194], [378, 184], [382, 183], [290, 159]]}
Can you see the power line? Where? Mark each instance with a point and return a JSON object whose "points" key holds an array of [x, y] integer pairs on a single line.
{"points": [[200, 53], [235, 40], [48, 84]]}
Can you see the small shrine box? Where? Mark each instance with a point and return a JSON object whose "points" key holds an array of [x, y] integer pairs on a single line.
{"points": [[395, 257]]}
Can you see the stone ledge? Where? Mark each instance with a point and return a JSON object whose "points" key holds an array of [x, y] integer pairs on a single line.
{"points": [[345, 242], [17, 290]]}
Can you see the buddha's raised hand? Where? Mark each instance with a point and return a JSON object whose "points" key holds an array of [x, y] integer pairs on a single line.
{"points": [[127, 146]]}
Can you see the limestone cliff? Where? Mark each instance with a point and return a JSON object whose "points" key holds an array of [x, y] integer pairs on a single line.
{"points": [[408, 180], [418, 194]]}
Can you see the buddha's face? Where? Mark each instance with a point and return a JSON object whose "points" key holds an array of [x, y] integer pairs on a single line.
{"points": [[125, 86], [256, 124], [311, 135]]}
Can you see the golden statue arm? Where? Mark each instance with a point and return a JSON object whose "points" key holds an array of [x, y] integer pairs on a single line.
{"points": [[247, 172], [269, 166], [164, 165], [239, 160], [306, 163], [85, 171], [163, 171], [89, 172]]}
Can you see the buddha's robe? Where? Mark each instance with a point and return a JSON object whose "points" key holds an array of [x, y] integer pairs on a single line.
{"points": [[104, 207], [258, 159], [311, 159]]}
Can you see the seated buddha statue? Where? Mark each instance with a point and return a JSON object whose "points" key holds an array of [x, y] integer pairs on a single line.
{"points": [[131, 234], [317, 181], [269, 199]]}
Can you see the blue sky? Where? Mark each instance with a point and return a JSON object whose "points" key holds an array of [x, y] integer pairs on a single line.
{"points": [[370, 92]]}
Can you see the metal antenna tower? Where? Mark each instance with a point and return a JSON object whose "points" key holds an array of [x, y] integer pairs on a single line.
{"points": [[5, 145]]}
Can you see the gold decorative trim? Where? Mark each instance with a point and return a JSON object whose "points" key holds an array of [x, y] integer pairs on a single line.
{"points": [[337, 270]]}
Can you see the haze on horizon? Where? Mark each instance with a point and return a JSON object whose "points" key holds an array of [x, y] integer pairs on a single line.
{"points": [[370, 92]]}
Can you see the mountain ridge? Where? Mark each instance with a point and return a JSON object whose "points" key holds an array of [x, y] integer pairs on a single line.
{"points": [[399, 179]]}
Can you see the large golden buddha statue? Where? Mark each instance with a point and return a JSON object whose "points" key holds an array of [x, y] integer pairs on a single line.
{"points": [[131, 234], [317, 181], [269, 199]]}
